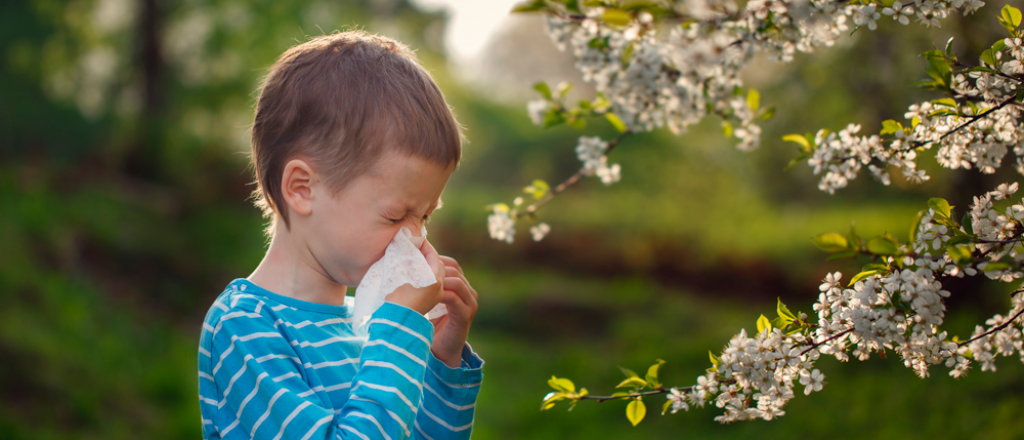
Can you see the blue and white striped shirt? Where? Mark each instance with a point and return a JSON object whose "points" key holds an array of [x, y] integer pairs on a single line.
{"points": [[277, 368]]}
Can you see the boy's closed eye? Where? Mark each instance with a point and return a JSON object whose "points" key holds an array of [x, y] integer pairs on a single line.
{"points": [[426, 219]]}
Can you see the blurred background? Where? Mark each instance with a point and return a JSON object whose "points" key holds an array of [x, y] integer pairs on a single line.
{"points": [[124, 211]]}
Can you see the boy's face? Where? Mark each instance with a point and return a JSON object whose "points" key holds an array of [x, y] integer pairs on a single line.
{"points": [[349, 231]]}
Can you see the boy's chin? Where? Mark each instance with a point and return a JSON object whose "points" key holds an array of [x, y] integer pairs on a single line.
{"points": [[353, 279]]}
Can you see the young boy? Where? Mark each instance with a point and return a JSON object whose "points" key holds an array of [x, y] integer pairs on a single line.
{"points": [[352, 141]]}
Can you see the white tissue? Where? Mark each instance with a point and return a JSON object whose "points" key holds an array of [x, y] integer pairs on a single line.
{"points": [[403, 263]]}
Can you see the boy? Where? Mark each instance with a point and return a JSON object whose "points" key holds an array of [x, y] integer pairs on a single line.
{"points": [[352, 141]]}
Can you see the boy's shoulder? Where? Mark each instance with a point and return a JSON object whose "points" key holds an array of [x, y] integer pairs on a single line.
{"points": [[238, 296], [238, 299]]}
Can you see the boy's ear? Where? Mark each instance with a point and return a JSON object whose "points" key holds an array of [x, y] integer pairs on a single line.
{"points": [[297, 186]]}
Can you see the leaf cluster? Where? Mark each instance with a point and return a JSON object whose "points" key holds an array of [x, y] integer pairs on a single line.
{"points": [[564, 389]]}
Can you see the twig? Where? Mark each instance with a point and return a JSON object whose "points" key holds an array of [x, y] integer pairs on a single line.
{"points": [[572, 180], [661, 390], [825, 341], [994, 329]]}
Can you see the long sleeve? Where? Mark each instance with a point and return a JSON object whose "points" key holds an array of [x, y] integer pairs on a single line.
{"points": [[449, 398], [266, 394]]}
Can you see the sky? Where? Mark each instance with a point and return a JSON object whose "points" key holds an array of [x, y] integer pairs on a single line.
{"points": [[472, 23]]}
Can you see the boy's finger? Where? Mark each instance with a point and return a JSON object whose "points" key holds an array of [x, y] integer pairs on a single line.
{"points": [[462, 289], [450, 262], [454, 273]]}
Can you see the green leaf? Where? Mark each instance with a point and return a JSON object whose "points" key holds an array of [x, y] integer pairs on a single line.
{"points": [[949, 46], [726, 128], [769, 112], [553, 118], [948, 102], [1009, 17], [939, 69], [627, 54], [665, 406], [800, 140], [763, 324], [715, 360], [967, 223], [959, 238], [616, 17], [831, 242], [943, 112], [538, 189], [999, 45], [863, 275], [753, 99], [890, 126], [960, 254], [855, 241], [529, 6], [781, 323], [498, 207], [564, 88], [876, 266], [577, 123], [543, 88], [784, 311], [941, 206], [636, 411], [795, 161], [989, 57], [550, 399], [634, 382], [562, 384], [616, 122], [628, 372], [998, 265], [652, 373], [882, 246], [915, 121]]}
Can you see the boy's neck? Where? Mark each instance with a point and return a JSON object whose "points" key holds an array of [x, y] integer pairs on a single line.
{"points": [[289, 269]]}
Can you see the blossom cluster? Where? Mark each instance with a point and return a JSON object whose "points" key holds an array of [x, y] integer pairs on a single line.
{"points": [[900, 308], [591, 151], [977, 129]]}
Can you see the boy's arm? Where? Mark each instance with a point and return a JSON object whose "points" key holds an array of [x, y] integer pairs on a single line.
{"points": [[449, 398], [266, 396]]}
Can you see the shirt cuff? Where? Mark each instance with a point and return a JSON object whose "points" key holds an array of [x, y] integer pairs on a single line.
{"points": [[468, 375]]}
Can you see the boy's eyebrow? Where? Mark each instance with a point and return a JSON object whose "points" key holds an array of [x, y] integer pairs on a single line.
{"points": [[408, 207]]}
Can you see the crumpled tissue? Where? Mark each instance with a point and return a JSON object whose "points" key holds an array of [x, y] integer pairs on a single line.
{"points": [[403, 263]]}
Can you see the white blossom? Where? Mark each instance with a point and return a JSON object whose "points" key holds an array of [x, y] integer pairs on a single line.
{"points": [[501, 225], [538, 232]]}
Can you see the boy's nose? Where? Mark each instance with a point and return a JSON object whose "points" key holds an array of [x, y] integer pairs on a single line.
{"points": [[419, 233]]}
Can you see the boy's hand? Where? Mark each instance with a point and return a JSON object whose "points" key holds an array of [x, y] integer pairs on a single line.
{"points": [[451, 330], [425, 298]]}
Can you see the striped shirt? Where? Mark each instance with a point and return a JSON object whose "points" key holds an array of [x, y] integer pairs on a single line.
{"points": [[277, 368]]}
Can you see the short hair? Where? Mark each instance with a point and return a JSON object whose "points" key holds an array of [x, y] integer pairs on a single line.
{"points": [[341, 101]]}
